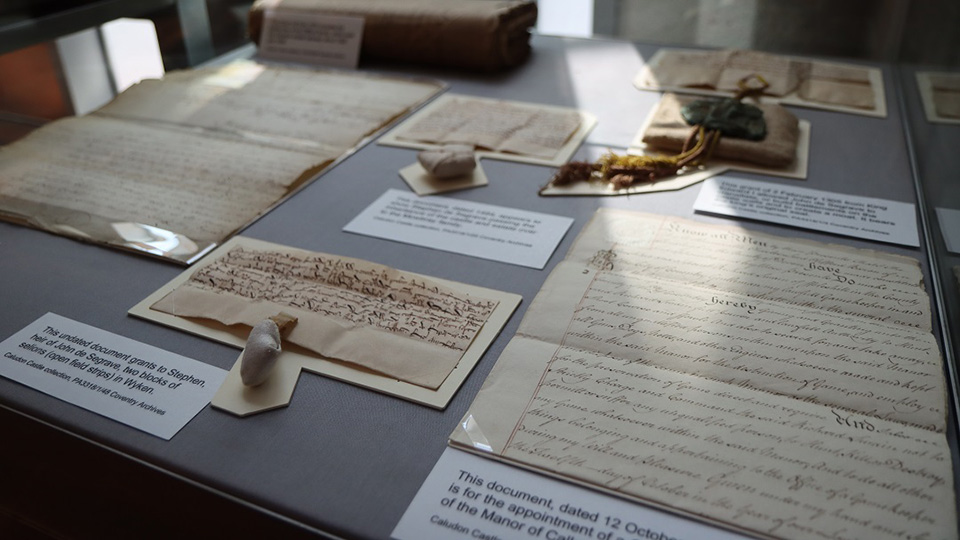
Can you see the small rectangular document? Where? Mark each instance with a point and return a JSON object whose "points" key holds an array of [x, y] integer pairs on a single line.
{"points": [[469, 496], [175, 167], [498, 129], [848, 215], [131, 382], [311, 37], [359, 322], [479, 230]]}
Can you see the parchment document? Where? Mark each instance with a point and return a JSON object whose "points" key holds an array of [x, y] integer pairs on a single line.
{"points": [[88, 177], [785, 387], [173, 167], [799, 81], [946, 94], [500, 126], [356, 311]]}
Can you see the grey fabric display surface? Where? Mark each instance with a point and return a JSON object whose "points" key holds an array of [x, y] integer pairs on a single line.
{"points": [[342, 459]]}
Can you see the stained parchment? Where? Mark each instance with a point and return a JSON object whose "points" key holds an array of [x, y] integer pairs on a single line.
{"points": [[946, 94], [787, 387], [791, 80], [89, 174], [174, 166], [496, 125], [300, 107], [352, 310]]}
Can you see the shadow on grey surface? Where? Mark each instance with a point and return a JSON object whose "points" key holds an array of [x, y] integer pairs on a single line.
{"points": [[55, 486]]}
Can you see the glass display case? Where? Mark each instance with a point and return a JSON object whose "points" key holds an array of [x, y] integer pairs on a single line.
{"points": [[344, 461]]}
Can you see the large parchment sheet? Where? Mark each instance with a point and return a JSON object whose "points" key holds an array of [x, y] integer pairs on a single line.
{"points": [[387, 329], [173, 167], [498, 129], [795, 81], [785, 387]]}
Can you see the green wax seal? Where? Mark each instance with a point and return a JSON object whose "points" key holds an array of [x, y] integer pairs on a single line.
{"points": [[731, 117]]}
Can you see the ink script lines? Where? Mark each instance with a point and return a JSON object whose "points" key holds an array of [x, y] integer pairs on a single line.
{"points": [[353, 291]]}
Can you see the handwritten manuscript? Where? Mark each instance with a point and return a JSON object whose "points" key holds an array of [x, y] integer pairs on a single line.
{"points": [[783, 387], [792, 80], [499, 129], [173, 167], [408, 335], [398, 324]]}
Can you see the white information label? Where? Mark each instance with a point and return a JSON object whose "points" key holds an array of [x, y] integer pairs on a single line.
{"points": [[475, 229], [131, 382], [466, 496], [861, 217], [949, 219], [312, 38]]}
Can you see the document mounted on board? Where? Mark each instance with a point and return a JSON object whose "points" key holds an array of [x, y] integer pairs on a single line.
{"points": [[786, 387], [940, 95], [498, 129], [804, 82], [396, 332]]}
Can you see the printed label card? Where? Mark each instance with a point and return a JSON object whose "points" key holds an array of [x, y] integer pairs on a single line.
{"points": [[311, 37], [131, 382]]}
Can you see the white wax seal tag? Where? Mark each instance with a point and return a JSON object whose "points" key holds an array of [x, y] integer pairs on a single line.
{"points": [[448, 161], [263, 349]]}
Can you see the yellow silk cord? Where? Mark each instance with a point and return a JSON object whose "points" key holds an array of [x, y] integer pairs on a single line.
{"points": [[610, 159]]}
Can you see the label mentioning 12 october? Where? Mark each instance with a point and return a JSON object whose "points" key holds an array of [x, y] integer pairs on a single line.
{"points": [[471, 497]]}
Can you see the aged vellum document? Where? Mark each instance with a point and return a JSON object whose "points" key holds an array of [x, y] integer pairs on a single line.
{"points": [[785, 387], [498, 129], [357, 311], [173, 167], [103, 179], [940, 95], [383, 324], [792, 80]]}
